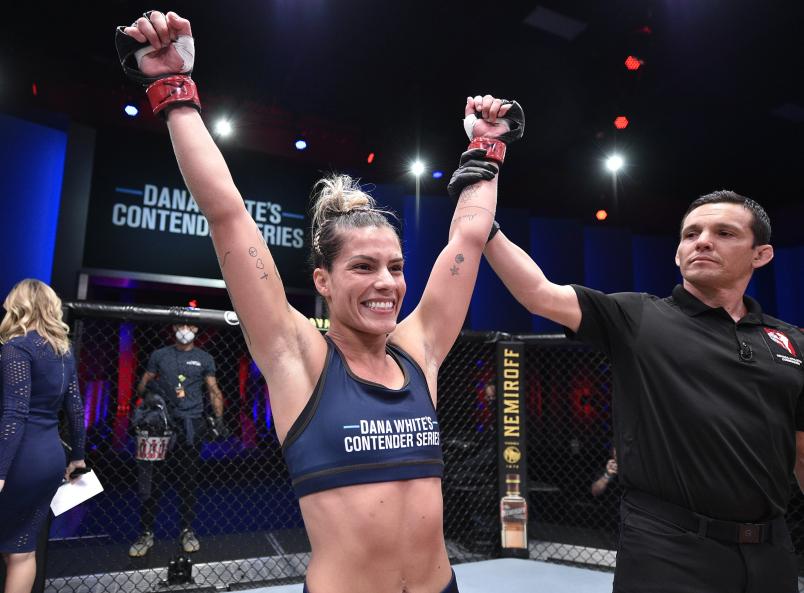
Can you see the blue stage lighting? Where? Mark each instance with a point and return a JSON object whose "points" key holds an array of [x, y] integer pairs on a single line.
{"points": [[301, 144], [131, 110], [438, 174]]}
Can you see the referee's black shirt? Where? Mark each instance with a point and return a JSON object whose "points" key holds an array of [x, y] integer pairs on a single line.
{"points": [[706, 409]]}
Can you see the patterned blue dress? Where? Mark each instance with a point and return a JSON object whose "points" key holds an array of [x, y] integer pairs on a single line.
{"points": [[36, 383]]}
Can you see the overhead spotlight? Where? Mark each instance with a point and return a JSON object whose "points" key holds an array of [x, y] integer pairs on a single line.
{"points": [[438, 174], [370, 158], [614, 163], [223, 127], [301, 144], [620, 122], [633, 63], [131, 110], [601, 215], [417, 168]]}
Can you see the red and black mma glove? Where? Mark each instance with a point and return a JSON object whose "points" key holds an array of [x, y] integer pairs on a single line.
{"points": [[472, 167], [165, 90], [482, 159]]}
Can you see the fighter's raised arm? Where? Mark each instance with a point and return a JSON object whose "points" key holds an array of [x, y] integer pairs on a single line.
{"points": [[158, 51], [491, 124]]}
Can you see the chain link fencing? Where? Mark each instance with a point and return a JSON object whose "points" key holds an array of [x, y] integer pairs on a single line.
{"points": [[247, 520]]}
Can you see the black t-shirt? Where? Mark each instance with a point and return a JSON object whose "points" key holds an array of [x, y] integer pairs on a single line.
{"points": [[706, 409], [186, 369]]}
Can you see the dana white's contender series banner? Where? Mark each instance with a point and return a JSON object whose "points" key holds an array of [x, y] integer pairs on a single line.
{"points": [[144, 219]]}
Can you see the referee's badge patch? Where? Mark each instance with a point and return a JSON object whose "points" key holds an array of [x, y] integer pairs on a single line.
{"points": [[782, 347]]}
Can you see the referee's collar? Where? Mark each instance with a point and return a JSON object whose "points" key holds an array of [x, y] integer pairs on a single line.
{"points": [[692, 306]]}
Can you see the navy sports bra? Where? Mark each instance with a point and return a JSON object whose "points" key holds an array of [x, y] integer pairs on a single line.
{"points": [[356, 432]]}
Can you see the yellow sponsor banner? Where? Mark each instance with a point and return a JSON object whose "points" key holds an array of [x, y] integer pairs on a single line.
{"points": [[512, 447]]}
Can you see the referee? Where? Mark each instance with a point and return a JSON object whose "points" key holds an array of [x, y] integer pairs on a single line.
{"points": [[709, 421]]}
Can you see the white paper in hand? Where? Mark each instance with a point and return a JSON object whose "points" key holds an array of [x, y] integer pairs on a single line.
{"points": [[74, 493]]}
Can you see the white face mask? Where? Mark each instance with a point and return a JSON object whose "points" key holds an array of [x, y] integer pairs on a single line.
{"points": [[184, 336]]}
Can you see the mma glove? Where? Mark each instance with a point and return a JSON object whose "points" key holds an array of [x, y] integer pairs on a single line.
{"points": [[166, 90], [482, 159]]}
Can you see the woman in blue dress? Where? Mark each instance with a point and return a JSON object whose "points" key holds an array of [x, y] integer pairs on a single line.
{"points": [[38, 379]]}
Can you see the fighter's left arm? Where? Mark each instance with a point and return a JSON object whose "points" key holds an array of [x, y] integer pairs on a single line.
{"points": [[799, 467], [215, 395]]}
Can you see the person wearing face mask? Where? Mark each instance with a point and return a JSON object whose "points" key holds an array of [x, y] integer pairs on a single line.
{"points": [[179, 374]]}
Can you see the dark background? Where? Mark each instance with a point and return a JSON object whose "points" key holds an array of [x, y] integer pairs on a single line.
{"points": [[717, 104]]}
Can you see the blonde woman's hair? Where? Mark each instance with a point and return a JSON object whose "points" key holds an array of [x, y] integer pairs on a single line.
{"points": [[340, 203], [33, 305]]}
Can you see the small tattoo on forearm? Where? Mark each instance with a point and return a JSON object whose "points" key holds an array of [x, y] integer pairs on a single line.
{"points": [[264, 276], [252, 251], [459, 258], [260, 265], [454, 270], [463, 217], [225, 255]]}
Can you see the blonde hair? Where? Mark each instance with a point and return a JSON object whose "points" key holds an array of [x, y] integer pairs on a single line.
{"points": [[33, 306], [340, 203]]}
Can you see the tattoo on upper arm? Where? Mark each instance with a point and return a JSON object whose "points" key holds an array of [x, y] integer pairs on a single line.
{"points": [[463, 217], [259, 264], [459, 259]]}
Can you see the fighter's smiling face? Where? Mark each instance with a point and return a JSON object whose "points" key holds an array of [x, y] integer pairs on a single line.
{"points": [[366, 285]]}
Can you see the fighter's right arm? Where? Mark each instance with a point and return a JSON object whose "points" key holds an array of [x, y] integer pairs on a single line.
{"points": [[530, 286], [272, 328]]}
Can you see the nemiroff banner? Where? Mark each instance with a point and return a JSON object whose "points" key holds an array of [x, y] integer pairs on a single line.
{"points": [[142, 218]]}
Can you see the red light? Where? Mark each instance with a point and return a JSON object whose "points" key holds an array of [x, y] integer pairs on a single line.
{"points": [[621, 122], [601, 215], [34, 90], [633, 63], [370, 158], [193, 304]]}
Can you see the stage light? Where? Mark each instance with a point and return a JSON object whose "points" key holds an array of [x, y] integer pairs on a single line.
{"points": [[417, 168], [633, 63], [601, 214], [300, 144], [34, 89], [438, 174], [223, 127], [620, 122], [614, 163], [131, 110], [370, 158]]}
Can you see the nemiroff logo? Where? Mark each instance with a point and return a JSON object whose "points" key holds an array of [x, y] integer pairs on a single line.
{"points": [[782, 347]]}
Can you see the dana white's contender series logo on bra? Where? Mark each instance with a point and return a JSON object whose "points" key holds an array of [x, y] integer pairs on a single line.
{"points": [[782, 347], [402, 433]]}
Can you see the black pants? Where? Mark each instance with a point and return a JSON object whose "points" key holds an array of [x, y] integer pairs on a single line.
{"points": [[656, 556], [180, 470]]}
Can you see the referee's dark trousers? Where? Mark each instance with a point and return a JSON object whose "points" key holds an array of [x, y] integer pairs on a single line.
{"points": [[668, 549]]}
